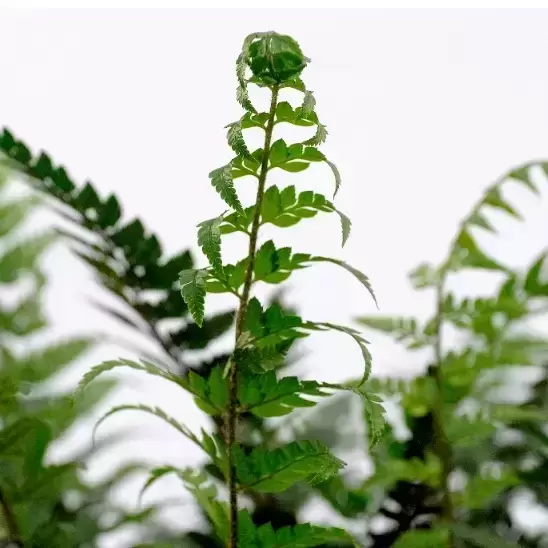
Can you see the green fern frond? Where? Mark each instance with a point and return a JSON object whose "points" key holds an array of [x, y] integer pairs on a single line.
{"points": [[222, 181], [193, 291], [209, 239], [278, 469]]}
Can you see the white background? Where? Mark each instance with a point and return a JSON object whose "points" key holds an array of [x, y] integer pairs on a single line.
{"points": [[424, 108]]}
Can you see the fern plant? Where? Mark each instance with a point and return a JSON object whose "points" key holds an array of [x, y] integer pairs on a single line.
{"points": [[449, 483], [249, 381]]}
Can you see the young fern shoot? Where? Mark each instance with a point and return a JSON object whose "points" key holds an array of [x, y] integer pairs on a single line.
{"points": [[263, 337], [249, 382]]}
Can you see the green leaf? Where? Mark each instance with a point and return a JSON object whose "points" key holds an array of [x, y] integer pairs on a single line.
{"points": [[236, 139], [534, 285], [241, 66], [294, 167], [522, 175], [211, 393], [278, 153], [319, 137], [35, 454], [236, 222], [467, 254], [481, 538], [266, 396], [310, 154], [337, 176], [209, 239], [259, 360], [493, 198], [217, 389], [16, 435], [478, 219], [285, 208], [284, 112], [346, 225], [309, 102], [242, 166], [242, 96], [266, 260], [360, 276], [275, 265], [276, 470], [295, 83], [196, 483], [42, 168], [271, 327], [193, 290], [374, 417], [109, 213], [129, 236], [251, 119], [234, 278], [62, 180], [221, 179], [399, 326], [295, 158], [87, 198]]}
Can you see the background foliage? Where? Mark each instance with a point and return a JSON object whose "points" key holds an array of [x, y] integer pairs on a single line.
{"points": [[43, 503]]}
